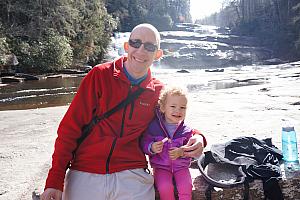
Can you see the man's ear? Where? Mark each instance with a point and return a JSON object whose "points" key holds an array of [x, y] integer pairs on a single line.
{"points": [[159, 54], [126, 47]]}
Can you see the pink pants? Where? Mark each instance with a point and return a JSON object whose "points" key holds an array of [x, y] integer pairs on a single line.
{"points": [[164, 183]]}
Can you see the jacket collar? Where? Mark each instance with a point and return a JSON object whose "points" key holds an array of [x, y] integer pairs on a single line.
{"points": [[118, 73], [160, 118]]}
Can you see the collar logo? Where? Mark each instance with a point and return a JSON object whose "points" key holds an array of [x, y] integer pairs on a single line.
{"points": [[144, 104]]}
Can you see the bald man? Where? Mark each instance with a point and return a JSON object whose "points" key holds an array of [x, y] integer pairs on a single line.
{"points": [[109, 164]]}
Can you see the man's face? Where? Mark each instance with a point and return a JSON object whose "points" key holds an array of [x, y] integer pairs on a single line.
{"points": [[141, 58]]}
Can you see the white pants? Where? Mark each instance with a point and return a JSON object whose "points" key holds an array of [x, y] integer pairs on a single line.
{"points": [[135, 184]]}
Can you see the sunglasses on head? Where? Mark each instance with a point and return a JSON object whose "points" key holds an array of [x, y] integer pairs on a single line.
{"points": [[137, 43]]}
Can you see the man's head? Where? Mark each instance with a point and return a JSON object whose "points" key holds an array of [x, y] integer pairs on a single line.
{"points": [[143, 48]]}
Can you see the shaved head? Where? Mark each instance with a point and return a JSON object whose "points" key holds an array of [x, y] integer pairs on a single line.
{"points": [[139, 57], [150, 28]]}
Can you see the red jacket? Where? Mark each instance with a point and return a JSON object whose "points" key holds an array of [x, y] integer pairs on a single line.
{"points": [[113, 144]]}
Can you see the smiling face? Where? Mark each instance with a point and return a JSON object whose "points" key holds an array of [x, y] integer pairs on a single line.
{"points": [[174, 108], [140, 59]]}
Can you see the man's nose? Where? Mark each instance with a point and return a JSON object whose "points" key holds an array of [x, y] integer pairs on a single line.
{"points": [[142, 48]]}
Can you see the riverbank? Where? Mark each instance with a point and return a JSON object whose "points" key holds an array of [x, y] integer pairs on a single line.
{"points": [[27, 136], [27, 139]]}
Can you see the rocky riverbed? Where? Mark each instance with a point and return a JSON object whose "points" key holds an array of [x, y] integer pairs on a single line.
{"points": [[27, 136]]}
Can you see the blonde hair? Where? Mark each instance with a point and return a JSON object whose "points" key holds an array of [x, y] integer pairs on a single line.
{"points": [[171, 90]]}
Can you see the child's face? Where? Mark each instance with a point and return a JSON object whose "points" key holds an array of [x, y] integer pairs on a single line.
{"points": [[175, 108]]}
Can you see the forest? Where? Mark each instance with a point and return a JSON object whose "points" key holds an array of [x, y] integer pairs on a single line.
{"points": [[48, 36], [275, 22]]}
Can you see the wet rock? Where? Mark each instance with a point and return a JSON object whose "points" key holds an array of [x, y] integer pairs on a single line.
{"points": [[27, 77], [296, 103], [214, 70], [289, 185], [264, 89], [11, 79], [183, 71], [273, 61]]}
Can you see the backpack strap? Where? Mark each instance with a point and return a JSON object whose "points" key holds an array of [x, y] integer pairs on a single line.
{"points": [[86, 129]]}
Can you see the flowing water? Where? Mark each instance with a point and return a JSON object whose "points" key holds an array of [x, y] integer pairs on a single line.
{"points": [[60, 91], [38, 94], [192, 48]]}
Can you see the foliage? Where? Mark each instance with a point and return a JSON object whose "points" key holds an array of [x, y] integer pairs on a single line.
{"points": [[275, 22], [94, 31], [55, 52], [163, 22], [4, 48], [51, 53], [161, 13], [84, 26]]}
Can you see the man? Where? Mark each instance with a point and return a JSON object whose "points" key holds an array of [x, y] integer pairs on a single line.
{"points": [[109, 163]]}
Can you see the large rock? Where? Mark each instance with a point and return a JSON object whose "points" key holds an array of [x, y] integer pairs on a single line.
{"points": [[198, 46], [289, 184]]}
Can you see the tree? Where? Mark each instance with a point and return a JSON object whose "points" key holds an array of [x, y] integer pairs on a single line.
{"points": [[86, 25]]}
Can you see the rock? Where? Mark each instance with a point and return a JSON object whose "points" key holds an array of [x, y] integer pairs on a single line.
{"points": [[296, 103], [35, 195], [273, 61], [289, 184], [71, 71], [264, 89], [28, 77], [214, 70], [55, 76], [183, 71], [11, 79]]}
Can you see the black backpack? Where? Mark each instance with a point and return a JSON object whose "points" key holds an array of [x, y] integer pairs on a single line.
{"points": [[239, 162]]}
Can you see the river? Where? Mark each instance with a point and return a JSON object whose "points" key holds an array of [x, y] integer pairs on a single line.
{"points": [[191, 47]]}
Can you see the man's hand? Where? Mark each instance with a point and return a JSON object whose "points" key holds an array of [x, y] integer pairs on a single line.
{"points": [[194, 147], [175, 153], [157, 147], [51, 194]]}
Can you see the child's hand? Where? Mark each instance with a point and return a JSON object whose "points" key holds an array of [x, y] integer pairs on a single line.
{"points": [[157, 147], [175, 153]]}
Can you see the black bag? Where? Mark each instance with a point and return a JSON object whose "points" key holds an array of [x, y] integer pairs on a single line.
{"points": [[239, 162], [86, 130]]}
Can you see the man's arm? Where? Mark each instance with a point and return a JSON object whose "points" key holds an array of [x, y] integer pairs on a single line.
{"points": [[194, 147]]}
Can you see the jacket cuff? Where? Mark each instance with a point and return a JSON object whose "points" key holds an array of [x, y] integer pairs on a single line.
{"points": [[55, 180], [149, 149], [196, 132]]}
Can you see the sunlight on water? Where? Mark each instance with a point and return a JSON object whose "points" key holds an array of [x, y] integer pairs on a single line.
{"points": [[38, 94], [57, 92], [191, 49]]}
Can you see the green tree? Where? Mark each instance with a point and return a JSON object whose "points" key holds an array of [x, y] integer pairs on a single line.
{"points": [[50, 53], [274, 22]]}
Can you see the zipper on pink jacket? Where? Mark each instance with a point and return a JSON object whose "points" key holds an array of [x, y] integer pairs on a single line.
{"points": [[171, 145], [166, 133]]}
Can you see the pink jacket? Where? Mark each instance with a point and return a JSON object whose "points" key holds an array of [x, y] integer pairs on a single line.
{"points": [[156, 132]]}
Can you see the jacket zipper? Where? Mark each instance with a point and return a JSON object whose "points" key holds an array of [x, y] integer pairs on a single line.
{"points": [[110, 154], [132, 103], [115, 140], [172, 143]]}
